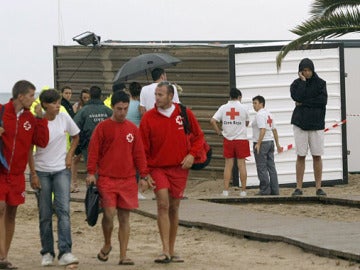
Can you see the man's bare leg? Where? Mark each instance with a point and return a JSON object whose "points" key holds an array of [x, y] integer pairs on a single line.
{"points": [[317, 165], [124, 231], [174, 223], [229, 163], [300, 170], [107, 227], [162, 199], [243, 173]]}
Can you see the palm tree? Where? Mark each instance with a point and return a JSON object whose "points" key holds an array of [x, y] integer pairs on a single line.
{"points": [[330, 18]]}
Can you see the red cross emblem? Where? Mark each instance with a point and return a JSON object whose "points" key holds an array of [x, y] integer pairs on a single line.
{"points": [[269, 120], [232, 113]]}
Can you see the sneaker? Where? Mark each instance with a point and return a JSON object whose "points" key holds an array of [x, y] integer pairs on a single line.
{"points": [[320, 192], [47, 259], [243, 194], [140, 196], [297, 192], [67, 259], [225, 193]]}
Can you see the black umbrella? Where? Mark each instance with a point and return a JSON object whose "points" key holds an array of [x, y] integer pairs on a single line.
{"points": [[141, 64]]}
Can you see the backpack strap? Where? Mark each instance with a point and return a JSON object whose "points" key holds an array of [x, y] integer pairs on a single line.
{"points": [[1, 114], [185, 119]]}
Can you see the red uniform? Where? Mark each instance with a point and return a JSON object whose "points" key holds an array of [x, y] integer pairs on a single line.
{"points": [[166, 146], [115, 152], [21, 131]]}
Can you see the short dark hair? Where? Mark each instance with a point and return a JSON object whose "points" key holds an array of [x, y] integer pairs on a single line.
{"points": [[65, 87], [235, 93], [156, 73], [135, 89], [169, 86], [118, 86], [95, 92], [22, 87], [119, 96], [259, 98], [49, 96]]}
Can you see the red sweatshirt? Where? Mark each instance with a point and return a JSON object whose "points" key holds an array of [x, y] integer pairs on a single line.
{"points": [[164, 138], [116, 150], [20, 133]]}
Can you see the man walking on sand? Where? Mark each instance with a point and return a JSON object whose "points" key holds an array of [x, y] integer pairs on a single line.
{"points": [[115, 153], [20, 129], [170, 155], [234, 118], [308, 119]]}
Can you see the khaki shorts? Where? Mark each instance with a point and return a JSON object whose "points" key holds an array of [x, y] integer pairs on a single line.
{"points": [[309, 138]]}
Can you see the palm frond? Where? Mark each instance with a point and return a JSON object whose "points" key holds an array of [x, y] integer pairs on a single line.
{"points": [[321, 8], [319, 28]]}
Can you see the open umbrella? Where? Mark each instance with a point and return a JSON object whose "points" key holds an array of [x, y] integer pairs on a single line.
{"points": [[141, 64]]}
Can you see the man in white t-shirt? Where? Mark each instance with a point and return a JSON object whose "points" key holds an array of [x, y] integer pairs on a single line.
{"points": [[234, 117], [147, 94], [264, 133]]}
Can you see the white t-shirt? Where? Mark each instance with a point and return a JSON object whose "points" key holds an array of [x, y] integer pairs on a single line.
{"points": [[263, 119], [52, 157], [233, 116], [147, 96]]}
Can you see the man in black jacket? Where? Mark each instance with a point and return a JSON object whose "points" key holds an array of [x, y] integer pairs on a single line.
{"points": [[308, 119]]}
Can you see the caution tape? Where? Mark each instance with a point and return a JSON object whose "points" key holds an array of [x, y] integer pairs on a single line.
{"points": [[335, 125]]}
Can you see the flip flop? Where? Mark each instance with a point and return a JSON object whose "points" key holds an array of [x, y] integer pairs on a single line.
{"points": [[176, 259], [126, 261], [103, 256], [7, 265], [162, 258]]}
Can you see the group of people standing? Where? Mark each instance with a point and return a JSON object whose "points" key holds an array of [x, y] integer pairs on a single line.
{"points": [[308, 119], [156, 149]]}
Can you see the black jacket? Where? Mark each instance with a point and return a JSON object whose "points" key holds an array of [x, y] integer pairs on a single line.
{"points": [[67, 105], [311, 96]]}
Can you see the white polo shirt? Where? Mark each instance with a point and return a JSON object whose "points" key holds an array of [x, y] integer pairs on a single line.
{"points": [[233, 116], [147, 96], [263, 119]]}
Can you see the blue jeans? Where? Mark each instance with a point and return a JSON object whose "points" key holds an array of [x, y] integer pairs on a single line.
{"points": [[59, 184], [266, 170]]}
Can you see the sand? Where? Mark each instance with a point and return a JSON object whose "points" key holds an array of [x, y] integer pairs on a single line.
{"points": [[201, 249]]}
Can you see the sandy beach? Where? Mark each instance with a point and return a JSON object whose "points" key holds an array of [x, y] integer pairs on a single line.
{"points": [[201, 249]]}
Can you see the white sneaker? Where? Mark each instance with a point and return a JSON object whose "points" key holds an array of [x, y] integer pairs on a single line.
{"points": [[225, 193], [140, 196], [67, 259], [47, 259], [243, 194]]}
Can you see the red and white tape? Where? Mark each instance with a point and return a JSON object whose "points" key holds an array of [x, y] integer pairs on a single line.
{"points": [[335, 125]]}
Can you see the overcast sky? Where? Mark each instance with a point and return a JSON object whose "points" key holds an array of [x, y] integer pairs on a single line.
{"points": [[30, 28]]}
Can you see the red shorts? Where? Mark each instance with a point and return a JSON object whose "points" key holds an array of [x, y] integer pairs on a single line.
{"points": [[236, 149], [118, 192], [12, 189], [172, 178]]}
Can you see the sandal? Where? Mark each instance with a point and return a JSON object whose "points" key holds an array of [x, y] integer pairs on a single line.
{"points": [[75, 190], [176, 259], [126, 261], [7, 265], [103, 256], [162, 258]]}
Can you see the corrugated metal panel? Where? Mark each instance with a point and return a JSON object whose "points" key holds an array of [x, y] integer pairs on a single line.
{"points": [[256, 74]]}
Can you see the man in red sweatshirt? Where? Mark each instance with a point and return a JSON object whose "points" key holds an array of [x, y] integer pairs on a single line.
{"points": [[20, 129], [115, 153], [169, 155]]}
